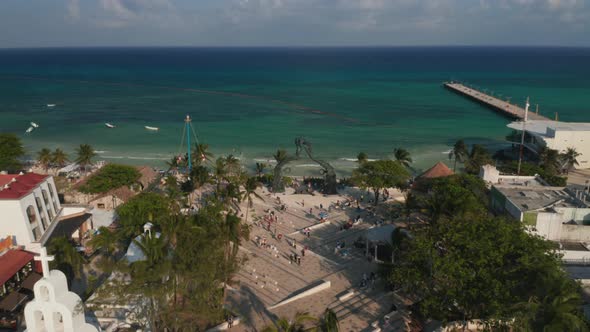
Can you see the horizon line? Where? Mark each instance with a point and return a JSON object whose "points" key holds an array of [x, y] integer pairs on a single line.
{"points": [[300, 46]]}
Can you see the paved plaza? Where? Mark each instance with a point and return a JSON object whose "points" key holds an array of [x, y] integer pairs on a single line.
{"points": [[268, 275]]}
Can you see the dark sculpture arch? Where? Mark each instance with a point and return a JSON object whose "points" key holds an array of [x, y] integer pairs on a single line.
{"points": [[301, 144]]}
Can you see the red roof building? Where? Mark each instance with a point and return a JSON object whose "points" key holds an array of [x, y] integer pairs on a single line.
{"points": [[439, 170], [29, 206], [15, 186], [12, 262]]}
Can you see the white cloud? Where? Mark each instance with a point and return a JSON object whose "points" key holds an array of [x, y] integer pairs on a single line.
{"points": [[73, 7], [122, 13]]}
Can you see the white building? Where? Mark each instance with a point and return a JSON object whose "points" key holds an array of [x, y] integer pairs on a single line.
{"points": [[55, 308], [558, 136], [30, 209]]}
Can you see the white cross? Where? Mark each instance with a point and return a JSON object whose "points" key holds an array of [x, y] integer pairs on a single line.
{"points": [[44, 261]]}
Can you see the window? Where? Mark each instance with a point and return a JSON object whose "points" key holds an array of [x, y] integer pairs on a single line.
{"points": [[38, 201], [45, 197], [31, 214], [37, 233], [50, 190]]}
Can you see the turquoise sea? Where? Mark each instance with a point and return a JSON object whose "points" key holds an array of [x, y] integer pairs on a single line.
{"points": [[251, 101]]}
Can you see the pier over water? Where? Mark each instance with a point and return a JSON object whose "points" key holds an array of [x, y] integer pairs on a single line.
{"points": [[501, 106]]}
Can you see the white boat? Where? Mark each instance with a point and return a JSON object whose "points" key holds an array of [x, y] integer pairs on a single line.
{"points": [[34, 125], [109, 125], [30, 129], [152, 128], [50, 105]]}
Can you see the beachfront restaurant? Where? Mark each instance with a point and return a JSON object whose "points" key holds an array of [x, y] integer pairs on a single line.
{"points": [[18, 274]]}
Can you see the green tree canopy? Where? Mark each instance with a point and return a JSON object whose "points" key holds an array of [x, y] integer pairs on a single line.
{"points": [[85, 153], [179, 284], [44, 157], [59, 157], [477, 268], [11, 150], [402, 156], [141, 209], [458, 153], [478, 156], [110, 177], [362, 157], [380, 174]]}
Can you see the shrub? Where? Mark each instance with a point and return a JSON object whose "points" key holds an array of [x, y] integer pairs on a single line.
{"points": [[110, 177]]}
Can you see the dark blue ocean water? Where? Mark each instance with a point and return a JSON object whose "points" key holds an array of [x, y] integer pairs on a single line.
{"points": [[251, 101]]}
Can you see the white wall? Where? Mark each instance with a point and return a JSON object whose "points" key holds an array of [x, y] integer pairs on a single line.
{"points": [[15, 222], [550, 225], [580, 140]]}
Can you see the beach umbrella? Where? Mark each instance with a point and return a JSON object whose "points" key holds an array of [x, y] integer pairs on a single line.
{"points": [[323, 215]]}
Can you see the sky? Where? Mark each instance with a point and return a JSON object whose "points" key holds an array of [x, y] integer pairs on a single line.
{"points": [[83, 23]]}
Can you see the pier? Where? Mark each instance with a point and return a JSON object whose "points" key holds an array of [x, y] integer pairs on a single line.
{"points": [[501, 106]]}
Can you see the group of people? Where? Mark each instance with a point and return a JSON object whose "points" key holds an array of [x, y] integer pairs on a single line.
{"points": [[366, 280]]}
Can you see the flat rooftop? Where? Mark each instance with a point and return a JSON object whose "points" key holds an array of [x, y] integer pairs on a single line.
{"points": [[519, 181], [530, 198], [540, 127]]}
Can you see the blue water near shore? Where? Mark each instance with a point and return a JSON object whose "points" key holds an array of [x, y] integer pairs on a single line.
{"points": [[251, 101]]}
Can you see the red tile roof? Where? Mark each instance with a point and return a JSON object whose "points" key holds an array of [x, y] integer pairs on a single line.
{"points": [[439, 170], [11, 262], [15, 186]]}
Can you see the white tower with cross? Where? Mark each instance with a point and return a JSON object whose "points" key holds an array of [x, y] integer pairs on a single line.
{"points": [[55, 308]]}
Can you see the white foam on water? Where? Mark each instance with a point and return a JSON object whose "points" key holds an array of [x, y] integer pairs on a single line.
{"points": [[308, 165]]}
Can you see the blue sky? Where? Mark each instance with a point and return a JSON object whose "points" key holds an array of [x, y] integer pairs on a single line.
{"points": [[43, 23]]}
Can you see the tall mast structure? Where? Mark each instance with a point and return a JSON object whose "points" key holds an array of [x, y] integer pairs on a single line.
{"points": [[188, 130], [526, 113]]}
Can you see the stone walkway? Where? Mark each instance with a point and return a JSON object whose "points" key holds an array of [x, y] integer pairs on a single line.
{"points": [[267, 277]]}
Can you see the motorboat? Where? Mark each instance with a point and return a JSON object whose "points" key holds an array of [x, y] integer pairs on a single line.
{"points": [[30, 129], [152, 128], [34, 124], [50, 105], [109, 125]]}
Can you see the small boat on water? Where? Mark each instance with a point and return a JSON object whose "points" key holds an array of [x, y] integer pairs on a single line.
{"points": [[34, 124], [50, 105], [30, 129], [109, 125], [152, 128]]}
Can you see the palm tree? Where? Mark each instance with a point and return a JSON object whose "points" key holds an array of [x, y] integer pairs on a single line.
{"points": [[362, 157], [59, 157], [85, 154], [250, 192], [153, 247], [260, 167], [329, 322], [280, 155], [106, 240], [44, 158], [569, 159], [402, 156], [296, 325], [549, 159], [201, 153], [67, 258], [219, 172], [553, 313], [458, 153], [232, 164]]}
